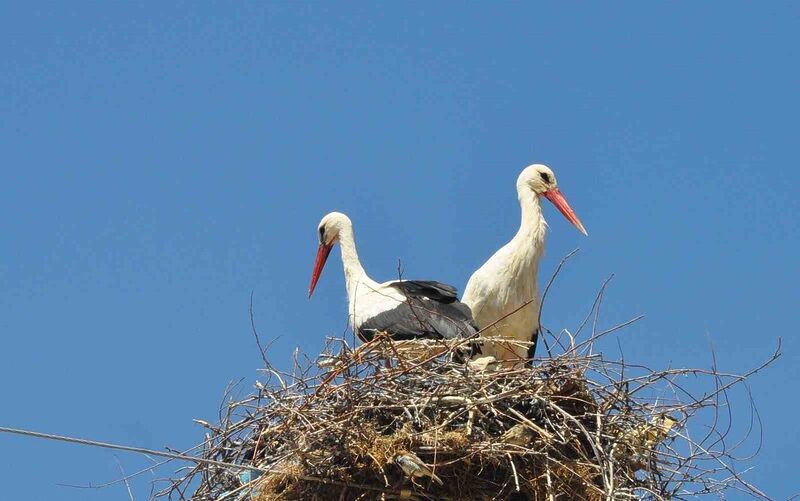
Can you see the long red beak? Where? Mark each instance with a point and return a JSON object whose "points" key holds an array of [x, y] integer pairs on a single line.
{"points": [[555, 196], [319, 263]]}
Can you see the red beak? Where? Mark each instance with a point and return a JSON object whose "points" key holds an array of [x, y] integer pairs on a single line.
{"points": [[555, 196], [319, 263]]}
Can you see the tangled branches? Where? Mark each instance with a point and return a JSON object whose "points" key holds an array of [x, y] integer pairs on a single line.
{"points": [[401, 420]]}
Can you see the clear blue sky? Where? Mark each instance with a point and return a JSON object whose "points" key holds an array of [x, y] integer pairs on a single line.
{"points": [[158, 162]]}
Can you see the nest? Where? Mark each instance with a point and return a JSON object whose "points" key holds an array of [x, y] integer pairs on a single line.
{"points": [[391, 420]]}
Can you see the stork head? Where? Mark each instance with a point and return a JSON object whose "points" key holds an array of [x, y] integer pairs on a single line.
{"points": [[329, 229], [541, 180]]}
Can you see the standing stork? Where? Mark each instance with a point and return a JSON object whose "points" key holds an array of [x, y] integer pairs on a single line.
{"points": [[507, 281], [404, 309]]}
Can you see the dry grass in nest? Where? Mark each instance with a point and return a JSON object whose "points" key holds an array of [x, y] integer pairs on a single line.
{"points": [[573, 426]]}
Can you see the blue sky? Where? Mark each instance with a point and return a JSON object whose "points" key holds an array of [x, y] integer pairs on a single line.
{"points": [[158, 162]]}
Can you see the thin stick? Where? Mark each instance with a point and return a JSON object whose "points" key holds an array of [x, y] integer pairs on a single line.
{"points": [[139, 450], [255, 331], [122, 472]]}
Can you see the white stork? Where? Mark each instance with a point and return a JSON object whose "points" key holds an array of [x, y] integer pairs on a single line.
{"points": [[404, 309], [508, 279]]}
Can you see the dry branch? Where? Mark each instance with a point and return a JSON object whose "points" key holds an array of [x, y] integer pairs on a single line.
{"points": [[575, 425]]}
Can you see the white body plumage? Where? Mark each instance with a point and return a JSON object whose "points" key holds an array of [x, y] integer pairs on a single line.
{"points": [[503, 293]]}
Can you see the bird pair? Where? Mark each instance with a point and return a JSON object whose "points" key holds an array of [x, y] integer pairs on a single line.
{"points": [[501, 301]]}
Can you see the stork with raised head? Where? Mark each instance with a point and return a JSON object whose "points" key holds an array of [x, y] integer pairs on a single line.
{"points": [[404, 309], [507, 281]]}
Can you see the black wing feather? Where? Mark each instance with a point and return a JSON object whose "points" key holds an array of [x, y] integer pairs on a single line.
{"points": [[422, 318], [431, 289]]}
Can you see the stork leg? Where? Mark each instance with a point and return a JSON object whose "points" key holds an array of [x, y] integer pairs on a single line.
{"points": [[532, 347]]}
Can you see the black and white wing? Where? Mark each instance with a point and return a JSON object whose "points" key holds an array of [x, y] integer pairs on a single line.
{"points": [[431, 310], [430, 289]]}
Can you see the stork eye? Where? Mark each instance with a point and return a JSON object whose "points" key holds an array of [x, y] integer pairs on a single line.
{"points": [[545, 177], [322, 234]]}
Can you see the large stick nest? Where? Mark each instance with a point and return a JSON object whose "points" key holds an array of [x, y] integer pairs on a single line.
{"points": [[574, 425]]}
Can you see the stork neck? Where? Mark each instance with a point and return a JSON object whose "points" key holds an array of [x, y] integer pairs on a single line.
{"points": [[353, 271], [532, 224], [527, 246]]}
